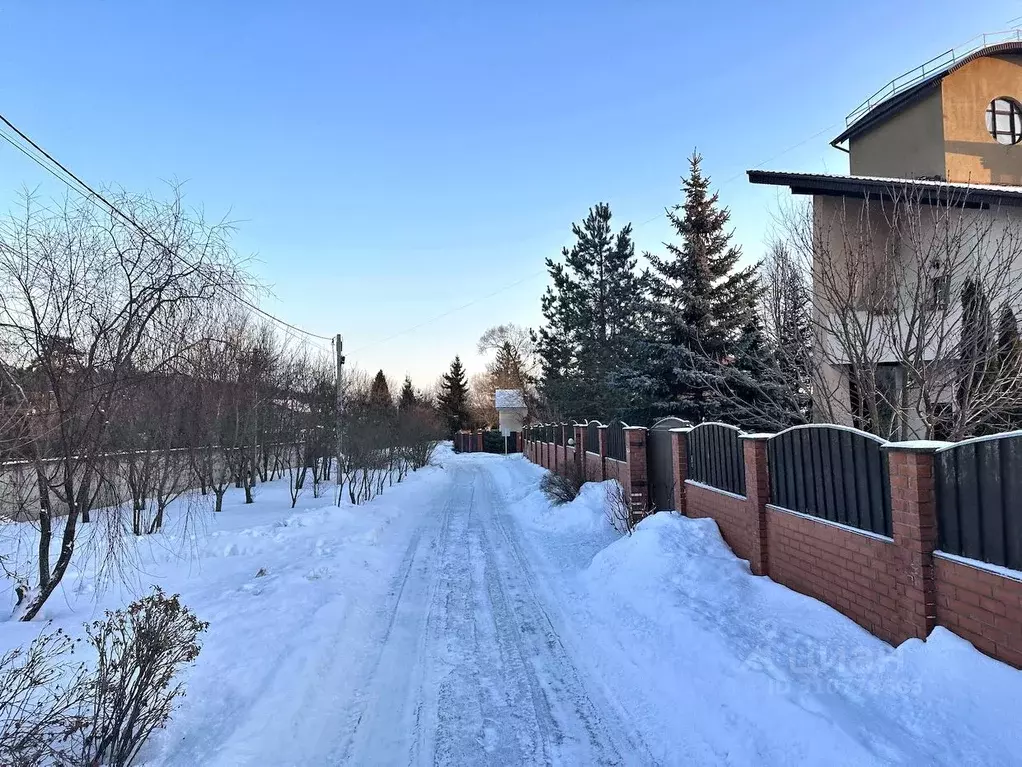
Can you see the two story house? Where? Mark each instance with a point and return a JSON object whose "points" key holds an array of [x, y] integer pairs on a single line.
{"points": [[916, 254]]}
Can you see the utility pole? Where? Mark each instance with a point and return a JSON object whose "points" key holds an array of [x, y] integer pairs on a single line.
{"points": [[339, 404]]}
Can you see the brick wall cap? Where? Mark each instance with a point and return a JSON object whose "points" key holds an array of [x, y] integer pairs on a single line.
{"points": [[762, 437], [681, 429], [634, 428], [916, 446]]}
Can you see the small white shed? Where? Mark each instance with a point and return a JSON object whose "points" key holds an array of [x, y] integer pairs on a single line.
{"points": [[511, 410]]}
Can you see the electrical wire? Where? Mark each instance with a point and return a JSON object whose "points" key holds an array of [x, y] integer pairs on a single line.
{"points": [[63, 173]]}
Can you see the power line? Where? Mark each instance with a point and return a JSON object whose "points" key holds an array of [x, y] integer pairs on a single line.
{"points": [[451, 311], [541, 271], [82, 188]]}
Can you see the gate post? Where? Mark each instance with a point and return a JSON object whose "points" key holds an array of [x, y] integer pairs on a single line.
{"points": [[635, 457], [679, 461], [603, 453], [580, 450], [757, 494], [914, 524]]}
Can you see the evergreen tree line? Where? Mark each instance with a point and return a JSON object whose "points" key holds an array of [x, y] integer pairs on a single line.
{"points": [[690, 335]]}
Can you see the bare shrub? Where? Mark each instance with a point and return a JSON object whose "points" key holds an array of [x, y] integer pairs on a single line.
{"points": [[139, 649], [563, 488], [619, 509], [41, 694]]}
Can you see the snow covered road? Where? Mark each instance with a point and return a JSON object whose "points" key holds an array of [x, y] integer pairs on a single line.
{"points": [[459, 619]]}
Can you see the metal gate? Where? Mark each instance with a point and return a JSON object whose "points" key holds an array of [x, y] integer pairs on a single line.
{"points": [[660, 462]]}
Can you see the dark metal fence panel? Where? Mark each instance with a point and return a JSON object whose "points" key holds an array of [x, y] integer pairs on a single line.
{"points": [[715, 457], [616, 440], [593, 437], [832, 472], [979, 499], [561, 434], [661, 475]]}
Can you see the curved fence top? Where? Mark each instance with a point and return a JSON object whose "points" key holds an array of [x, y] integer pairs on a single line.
{"points": [[671, 422], [832, 472], [717, 423], [835, 427], [974, 440]]}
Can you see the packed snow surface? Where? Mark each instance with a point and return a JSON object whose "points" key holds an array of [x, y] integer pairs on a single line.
{"points": [[460, 619]]}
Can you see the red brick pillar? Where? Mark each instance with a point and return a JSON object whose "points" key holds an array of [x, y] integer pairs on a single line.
{"points": [[679, 460], [635, 457], [757, 496], [580, 449], [914, 523], [479, 441], [603, 453], [562, 461]]}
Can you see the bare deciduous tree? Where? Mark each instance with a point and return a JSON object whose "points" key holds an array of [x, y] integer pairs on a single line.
{"points": [[906, 289], [93, 306]]}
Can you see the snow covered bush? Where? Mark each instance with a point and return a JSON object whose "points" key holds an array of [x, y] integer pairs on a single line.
{"points": [[562, 488], [42, 694], [139, 649]]}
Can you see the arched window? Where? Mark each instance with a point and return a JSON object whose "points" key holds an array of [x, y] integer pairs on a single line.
{"points": [[1004, 120]]}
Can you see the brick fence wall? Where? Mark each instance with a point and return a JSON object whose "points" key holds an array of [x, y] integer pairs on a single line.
{"points": [[981, 606], [896, 587], [852, 572]]}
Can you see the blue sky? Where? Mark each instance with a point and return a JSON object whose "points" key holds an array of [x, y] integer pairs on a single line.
{"points": [[389, 162]]}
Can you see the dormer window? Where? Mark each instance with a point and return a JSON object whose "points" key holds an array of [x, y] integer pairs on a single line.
{"points": [[1004, 120]]}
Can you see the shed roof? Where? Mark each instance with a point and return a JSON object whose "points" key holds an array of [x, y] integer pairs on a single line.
{"points": [[507, 399]]}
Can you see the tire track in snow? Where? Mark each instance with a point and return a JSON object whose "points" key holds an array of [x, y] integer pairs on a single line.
{"points": [[610, 735], [385, 729]]}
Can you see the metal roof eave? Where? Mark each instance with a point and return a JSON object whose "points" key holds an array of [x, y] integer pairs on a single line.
{"points": [[929, 192]]}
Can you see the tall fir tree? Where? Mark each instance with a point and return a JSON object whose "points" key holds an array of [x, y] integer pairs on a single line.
{"points": [[453, 401], [406, 399], [379, 394], [590, 313], [507, 369], [755, 392], [700, 301]]}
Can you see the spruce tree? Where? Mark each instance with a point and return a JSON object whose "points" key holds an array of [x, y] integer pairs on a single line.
{"points": [[454, 397], [406, 400], [700, 301], [507, 369], [755, 392], [379, 394], [590, 313]]}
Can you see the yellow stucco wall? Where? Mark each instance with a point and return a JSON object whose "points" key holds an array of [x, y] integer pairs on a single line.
{"points": [[971, 153]]}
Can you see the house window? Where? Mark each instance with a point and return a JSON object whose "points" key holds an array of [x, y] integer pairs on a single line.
{"points": [[1004, 120]]}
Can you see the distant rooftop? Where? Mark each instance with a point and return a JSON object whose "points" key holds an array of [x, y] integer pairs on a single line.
{"points": [[509, 398], [909, 83]]}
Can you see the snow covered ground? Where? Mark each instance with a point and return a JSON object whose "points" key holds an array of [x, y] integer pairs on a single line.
{"points": [[459, 619]]}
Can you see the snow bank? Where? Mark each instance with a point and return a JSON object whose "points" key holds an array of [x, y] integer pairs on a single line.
{"points": [[769, 675]]}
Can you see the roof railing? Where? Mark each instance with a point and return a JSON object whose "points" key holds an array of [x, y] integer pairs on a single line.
{"points": [[937, 64]]}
